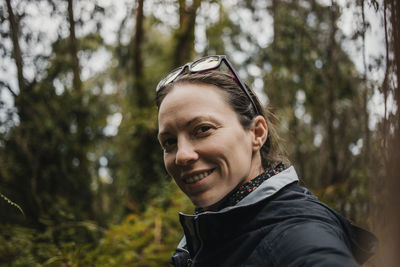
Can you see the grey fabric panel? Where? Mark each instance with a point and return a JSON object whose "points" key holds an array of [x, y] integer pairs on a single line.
{"points": [[268, 188]]}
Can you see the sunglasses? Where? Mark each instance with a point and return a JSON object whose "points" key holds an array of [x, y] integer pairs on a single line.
{"points": [[204, 64]]}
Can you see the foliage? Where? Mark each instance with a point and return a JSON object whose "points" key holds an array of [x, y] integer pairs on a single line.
{"points": [[319, 89], [144, 238], [24, 246], [9, 201]]}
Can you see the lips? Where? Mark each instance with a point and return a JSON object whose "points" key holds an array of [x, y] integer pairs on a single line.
{"points": [[194, 178]]}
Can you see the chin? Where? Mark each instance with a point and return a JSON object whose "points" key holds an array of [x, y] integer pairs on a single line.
{"points": [[205, 203]]}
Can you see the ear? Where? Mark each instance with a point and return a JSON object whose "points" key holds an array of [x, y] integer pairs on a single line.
{"points": [[260, 132]]}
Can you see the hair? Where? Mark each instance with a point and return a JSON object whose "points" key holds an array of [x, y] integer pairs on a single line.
{"points": [[271, 152]]}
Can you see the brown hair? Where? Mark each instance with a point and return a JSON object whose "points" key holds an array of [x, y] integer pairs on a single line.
{"points": [[271, 153]]}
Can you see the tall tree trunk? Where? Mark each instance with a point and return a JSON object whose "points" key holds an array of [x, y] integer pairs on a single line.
{"points": [[81, 110], [22, 102], [185, 34], [77, 82], [365, 92], [393, 170], [395, 21], [137, 61], [275, 16], [332, 85], [387, 210], [14, 31], [73, 49], [385, 83]]}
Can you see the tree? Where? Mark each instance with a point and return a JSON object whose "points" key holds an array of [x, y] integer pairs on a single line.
{"points": [[184, 36], [386, 211], [14, 31], [310, 82], [45, 154]]}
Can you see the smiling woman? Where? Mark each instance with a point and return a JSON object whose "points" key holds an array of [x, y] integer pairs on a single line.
{"points": [[207, 150], [221, 149]]}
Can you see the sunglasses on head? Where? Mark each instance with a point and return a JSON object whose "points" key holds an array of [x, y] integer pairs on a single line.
{"points": [[204, 64]]}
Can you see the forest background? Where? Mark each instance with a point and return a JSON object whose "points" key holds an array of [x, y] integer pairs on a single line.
{"points": [[82, 182]]}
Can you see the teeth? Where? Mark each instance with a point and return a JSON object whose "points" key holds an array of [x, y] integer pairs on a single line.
{"points": [[197, 177]]}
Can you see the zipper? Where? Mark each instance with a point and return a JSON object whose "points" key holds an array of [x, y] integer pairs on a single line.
{"points": [[197, 229]]}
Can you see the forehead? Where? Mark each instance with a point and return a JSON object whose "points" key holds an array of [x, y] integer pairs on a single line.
{"points": [[186, 101]]}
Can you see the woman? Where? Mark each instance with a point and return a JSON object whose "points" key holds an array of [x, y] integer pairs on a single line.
{"points": [[222, 152]]}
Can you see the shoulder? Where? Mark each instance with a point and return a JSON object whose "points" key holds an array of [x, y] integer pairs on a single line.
{"points": [[309, 243], [309, 233], [295, 203]]}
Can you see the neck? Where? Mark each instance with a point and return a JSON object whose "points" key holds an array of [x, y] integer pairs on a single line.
{"points": [[256, 167]]}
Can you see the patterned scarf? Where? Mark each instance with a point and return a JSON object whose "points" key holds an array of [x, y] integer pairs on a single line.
{"points": [[242, 191]]}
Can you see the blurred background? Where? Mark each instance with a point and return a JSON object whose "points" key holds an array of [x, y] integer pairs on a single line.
{"points": [[82, 182]]}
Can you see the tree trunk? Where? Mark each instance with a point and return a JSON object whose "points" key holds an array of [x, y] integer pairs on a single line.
{"points": [[275, 16], [73, 50], [393, 169], [81, 112], [365, 93], [139, 88], [185, 34], [14, 31], [332, 85], [23, 103], [385, 83]]}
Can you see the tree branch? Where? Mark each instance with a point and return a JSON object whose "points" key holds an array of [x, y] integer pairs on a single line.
{"points": [[6, 85]]}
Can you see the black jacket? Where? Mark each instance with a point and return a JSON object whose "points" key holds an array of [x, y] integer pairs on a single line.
{"points": [[279, 224]]}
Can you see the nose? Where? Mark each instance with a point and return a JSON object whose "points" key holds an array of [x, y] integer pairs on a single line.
{"points": [[186, 153]]}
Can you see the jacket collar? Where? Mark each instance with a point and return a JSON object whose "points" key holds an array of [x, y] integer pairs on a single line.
{"points": [[268, 188]]}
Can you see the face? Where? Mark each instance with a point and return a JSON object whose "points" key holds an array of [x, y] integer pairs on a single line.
{"points": [[206, 149]]}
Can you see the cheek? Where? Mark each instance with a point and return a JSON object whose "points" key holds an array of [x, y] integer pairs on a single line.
{"points": [[239, 153], [168, 163]]}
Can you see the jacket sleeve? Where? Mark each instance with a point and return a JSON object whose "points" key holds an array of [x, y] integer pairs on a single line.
{"points": [[308, 243]]}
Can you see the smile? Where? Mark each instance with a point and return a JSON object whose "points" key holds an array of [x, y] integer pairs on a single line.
{"points": [[197, 177]]}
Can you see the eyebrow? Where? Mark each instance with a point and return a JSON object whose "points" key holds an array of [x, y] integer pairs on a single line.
{"points": [[187, 124], [198, 118]]}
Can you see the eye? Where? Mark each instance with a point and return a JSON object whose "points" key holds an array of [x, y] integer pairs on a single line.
{"points": [[168, 143], [202, 129]]}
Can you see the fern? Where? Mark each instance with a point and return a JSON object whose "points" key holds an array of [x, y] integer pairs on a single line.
{"points": [[12, 203]]}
